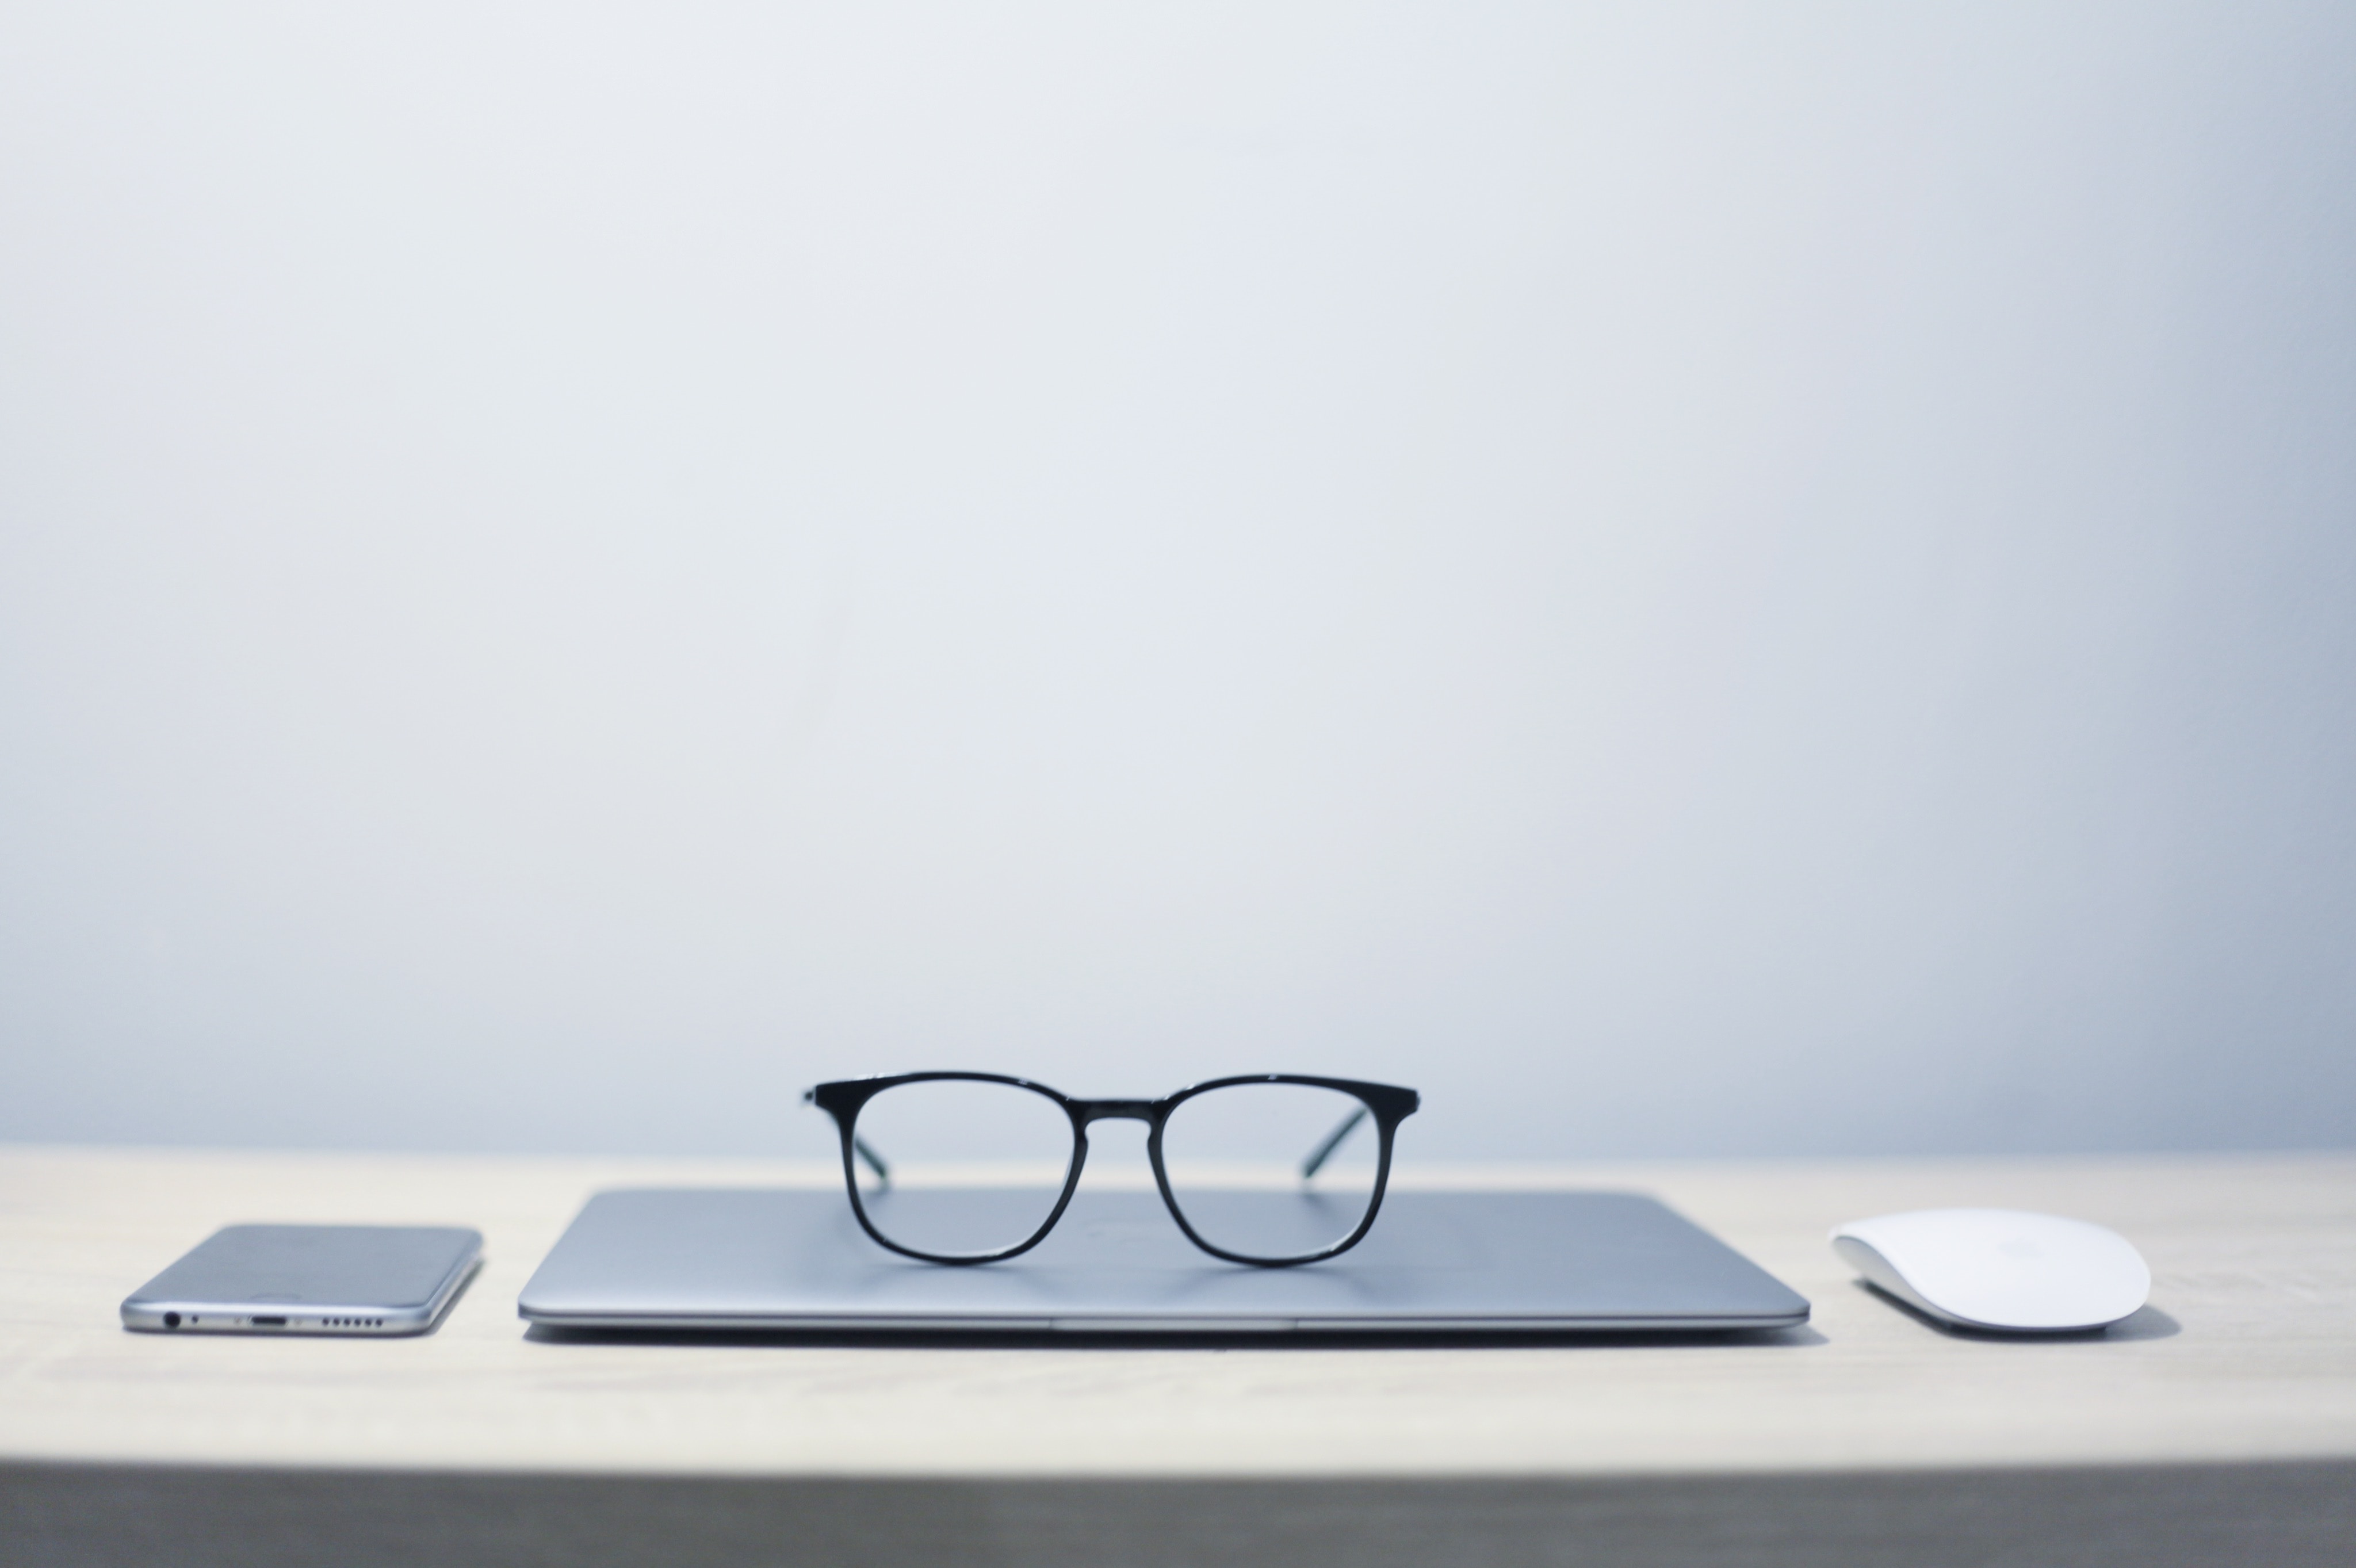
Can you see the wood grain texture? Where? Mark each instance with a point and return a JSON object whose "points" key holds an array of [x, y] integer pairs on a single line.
{"points": [[2248, 1352]]}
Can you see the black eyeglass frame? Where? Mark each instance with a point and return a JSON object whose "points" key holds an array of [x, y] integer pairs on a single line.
{"points": [[1388, 1103]]}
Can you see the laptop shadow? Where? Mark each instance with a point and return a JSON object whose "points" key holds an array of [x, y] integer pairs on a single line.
{"points": [[1799, 1337]]}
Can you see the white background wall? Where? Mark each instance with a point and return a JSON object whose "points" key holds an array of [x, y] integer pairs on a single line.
{"points": [[1684, 578]]}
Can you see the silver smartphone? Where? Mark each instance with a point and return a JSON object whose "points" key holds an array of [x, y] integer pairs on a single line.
{"points": [[310, 1279]]}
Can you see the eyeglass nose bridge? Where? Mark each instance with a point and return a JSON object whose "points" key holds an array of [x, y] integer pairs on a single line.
{"points": [[1093, 1110]]}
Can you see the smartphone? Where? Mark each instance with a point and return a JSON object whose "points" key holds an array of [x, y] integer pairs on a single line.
{"points": [[310, 1279]]}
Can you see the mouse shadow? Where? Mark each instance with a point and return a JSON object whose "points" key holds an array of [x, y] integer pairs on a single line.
{"points": [[2145, 1322], [1800, 1337]]}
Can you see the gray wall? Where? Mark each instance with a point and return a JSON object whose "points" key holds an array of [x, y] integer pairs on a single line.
{"points": [[1687, 579]]}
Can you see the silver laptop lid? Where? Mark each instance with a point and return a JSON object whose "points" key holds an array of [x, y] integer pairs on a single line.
{"points": [[1454, 1263]]}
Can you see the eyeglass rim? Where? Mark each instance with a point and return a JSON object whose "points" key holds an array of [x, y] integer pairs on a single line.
{"points": [[1389, 1104]]}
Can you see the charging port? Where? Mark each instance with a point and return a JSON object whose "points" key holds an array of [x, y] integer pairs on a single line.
{"points": [[269, 1323]]}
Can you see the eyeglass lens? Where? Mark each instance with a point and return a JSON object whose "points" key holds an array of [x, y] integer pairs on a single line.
{"points": [[1239, 1160], [976, 1167]]}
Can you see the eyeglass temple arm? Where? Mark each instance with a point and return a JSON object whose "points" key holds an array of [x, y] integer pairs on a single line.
{"points": [[860, 1147], [1324, 1151]]}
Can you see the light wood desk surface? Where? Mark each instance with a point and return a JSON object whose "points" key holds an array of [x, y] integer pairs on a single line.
{"points": [[2248, 1352]]}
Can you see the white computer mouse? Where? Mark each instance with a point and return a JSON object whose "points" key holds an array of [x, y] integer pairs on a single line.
{"points": [[1999, 1268]]}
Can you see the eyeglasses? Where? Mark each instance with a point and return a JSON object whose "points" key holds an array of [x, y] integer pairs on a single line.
{"points": [[1212, 1147]]}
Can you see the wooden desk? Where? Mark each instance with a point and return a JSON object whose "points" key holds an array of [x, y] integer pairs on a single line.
{"points": [[2219, 1426]]}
